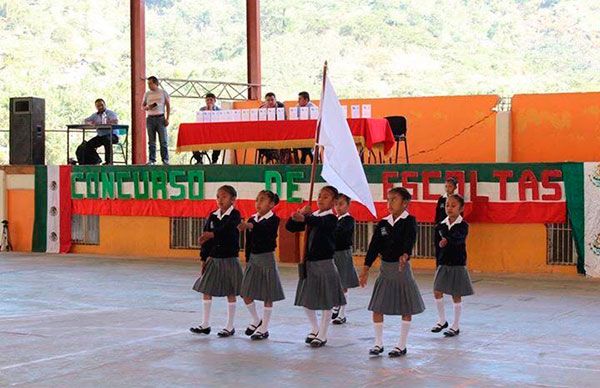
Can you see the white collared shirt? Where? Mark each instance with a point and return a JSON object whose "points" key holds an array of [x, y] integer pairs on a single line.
{"points": [[458, 220], [323, 214], [258, 218], [343, 215], [220, 216], [390, 219]]}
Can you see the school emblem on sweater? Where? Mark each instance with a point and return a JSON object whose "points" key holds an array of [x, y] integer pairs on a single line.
{"points": [[595, 246], [595, 178]]}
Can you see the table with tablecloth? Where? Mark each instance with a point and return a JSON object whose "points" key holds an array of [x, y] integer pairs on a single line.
{"points": [[372, 134]]}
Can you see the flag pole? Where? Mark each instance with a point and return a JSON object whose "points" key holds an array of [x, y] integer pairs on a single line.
{"points": [[313, 169]]}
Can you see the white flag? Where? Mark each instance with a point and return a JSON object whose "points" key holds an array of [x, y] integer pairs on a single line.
{"points": [[342, 167]]}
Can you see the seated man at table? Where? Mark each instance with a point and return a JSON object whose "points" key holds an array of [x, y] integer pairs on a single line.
{"points": [[272, 155], [211, 104], [304, 101], [104, 137]]}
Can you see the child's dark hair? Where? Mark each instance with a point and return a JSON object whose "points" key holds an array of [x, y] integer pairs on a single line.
{"points": [[229, 190], [401, 191], [459, 198], [271, 195], [332, 190], [344, 197], [452, 180]]}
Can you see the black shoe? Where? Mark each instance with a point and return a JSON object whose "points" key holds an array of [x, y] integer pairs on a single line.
{"points": [[339, 321], [226, 333], [311, 337], [376, 350], [396, 352], [259, 336], [200, 330], [335, 312], [318, 343], [451, 332], [437, 328], [252, 328]]}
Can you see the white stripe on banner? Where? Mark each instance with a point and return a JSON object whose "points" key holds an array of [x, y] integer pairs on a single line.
{"points": [[248, 190], [53, 210], [591, 198]]}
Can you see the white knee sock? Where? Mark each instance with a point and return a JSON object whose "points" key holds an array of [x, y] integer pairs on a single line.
{"points": [[378, 333], [206, 304], [312, 318], [342, 312], [325, 321], [230, 315], [439, 303], [252, 309], [403, 334], [457, 311], [264, 327]]}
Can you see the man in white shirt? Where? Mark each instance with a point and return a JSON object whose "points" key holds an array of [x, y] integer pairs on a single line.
{"points": [[157, 105], [211, 104], [103, 137], [304, 101]]}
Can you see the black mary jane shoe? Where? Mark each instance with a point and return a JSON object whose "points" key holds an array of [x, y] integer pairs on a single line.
{"points": [[200, 330], [335, 312], [396, 352], [252, 328], [318, 343], [339, 321], [257, 336], [311, 337], [226, 333], [437, 328], [376, 350], [451, 332]]}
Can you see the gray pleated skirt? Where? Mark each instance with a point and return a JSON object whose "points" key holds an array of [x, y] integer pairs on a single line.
{"points": [[222, 277], [453, 280], [395, 292], [322, 288], [261, 279], [345, 266]]}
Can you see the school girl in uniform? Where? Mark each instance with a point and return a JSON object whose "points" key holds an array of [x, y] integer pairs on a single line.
{"points": [[261, 278], [342, 257], [440, 212], [221, 269], [451, 276], [395, 291], [321, 288]]}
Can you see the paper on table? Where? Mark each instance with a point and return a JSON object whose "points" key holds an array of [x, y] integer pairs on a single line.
{"points": [[271, 114], [262, 114], [304, 113], [280, 113], [366, 111], [355, 114], [294, 113], [313, 113], [245, 114], [253, 114]]}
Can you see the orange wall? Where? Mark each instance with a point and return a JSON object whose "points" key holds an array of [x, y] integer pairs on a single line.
{"points": [[432, 120], [556, 127], [20, 210]]}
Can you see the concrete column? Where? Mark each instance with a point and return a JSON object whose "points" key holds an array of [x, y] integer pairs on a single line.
{"points": [[138, 82], [503, 137]]}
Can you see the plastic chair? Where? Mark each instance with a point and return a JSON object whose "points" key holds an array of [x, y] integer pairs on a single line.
{"points": [[398, 125]]}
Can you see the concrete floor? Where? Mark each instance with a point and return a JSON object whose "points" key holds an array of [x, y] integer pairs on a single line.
{"points": [[95, 321]]}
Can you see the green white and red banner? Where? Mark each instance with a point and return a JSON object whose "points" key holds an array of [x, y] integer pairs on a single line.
{"points": [[494, 193], [53, 205]]}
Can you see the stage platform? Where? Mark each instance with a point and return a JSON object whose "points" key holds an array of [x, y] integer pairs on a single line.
{"points": [[74, 320]]}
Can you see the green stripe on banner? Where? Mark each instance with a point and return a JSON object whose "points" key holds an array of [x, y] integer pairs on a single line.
{"points": [[573, 178], [254, 173], [41, 209]]}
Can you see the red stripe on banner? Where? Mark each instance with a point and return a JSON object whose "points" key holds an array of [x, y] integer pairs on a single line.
{"points": [[65, 208], [488, 212]]}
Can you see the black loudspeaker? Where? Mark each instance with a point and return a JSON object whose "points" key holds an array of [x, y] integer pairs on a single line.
{"points": [[27, 130]]}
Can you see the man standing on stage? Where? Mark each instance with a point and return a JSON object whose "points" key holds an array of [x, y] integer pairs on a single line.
{"points": [[157, 105]]}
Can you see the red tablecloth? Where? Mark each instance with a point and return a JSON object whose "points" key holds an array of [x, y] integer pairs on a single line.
{"points": [[369, 133]]}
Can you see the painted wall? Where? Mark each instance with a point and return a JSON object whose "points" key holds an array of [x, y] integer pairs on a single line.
{"points": [[556, 127]]}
